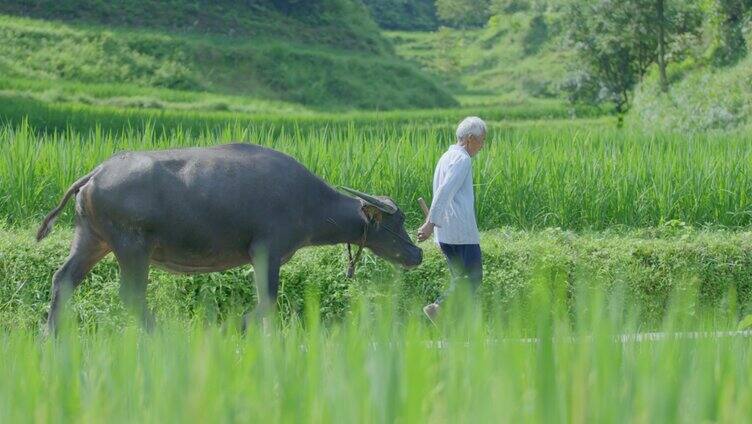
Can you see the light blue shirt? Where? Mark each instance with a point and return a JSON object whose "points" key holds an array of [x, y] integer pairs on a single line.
{"points": [[453, 205]]}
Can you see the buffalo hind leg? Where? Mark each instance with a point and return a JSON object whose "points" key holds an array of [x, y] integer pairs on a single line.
{"points": [[133, 255], [86, 250]]}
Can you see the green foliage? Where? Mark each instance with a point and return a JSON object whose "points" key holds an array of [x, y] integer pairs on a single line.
{"points": [[509, 6], [582, 88], [463, 13], [612, 45], [701, 100], [536, 35], [746, 323], [646, 268], [404, 15], [616, 42], [728, 17]]}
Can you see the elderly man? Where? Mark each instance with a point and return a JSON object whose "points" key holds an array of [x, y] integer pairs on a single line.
{"points": [[452, 213]]}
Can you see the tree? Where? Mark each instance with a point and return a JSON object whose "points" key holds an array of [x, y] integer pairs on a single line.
{"points": [[463, 13], [610, 38], [536, 35], [660, 7], [728, 16], [404, 14], [509, 6], [674, 18], [618, 40]]}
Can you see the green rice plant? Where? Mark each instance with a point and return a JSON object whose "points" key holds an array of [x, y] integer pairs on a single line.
{"points": [[81, 114], [530, 175], [377, 367]]}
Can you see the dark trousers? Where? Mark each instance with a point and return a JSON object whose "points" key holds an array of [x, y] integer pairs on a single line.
{"points": [[465, 265]]}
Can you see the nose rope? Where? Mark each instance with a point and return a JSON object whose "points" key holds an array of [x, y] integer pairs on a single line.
{"points": [[352, 261]]}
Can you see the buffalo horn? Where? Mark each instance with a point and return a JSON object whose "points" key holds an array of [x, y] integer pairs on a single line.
{"points": [[382, 206]]}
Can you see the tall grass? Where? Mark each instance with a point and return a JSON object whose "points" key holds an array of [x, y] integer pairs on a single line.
{"points": [[374, 367], [572, 176]]}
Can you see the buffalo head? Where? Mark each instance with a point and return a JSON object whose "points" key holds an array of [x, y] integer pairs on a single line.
{"points": [[385, 233]]}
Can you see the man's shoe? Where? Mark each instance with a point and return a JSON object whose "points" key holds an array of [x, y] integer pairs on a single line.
{"points": [[432, 311]]}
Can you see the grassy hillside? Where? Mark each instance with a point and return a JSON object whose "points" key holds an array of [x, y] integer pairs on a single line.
{"points": [[335, 23], [525, 57], [298, 62], [702, 98], [516, 57]]}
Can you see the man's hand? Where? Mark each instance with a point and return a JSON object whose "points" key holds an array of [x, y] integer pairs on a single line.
{"points": [[425, 231]]}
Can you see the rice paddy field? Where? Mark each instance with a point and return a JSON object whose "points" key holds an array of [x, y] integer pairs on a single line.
{"points": [[617, 281], [534, 174]]}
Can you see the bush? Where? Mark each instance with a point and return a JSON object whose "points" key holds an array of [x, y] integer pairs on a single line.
{"points": [[539, 87], [648, 267], [417, 15], [536, 35], [509, 6], [463, 13], [705, 98]]}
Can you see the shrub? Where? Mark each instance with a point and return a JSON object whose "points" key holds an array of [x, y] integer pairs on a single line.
{"points": [[648, 266]]}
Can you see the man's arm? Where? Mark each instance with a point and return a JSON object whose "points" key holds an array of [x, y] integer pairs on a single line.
{"points": [[455, 175]]}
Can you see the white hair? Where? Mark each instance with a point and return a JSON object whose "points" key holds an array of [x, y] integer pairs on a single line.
{"points": [[472, 125]]}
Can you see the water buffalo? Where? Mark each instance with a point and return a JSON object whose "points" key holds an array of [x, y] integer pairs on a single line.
{"points": [[198, 210]]}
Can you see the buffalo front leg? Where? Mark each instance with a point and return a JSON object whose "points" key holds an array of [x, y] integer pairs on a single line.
{"points": [[266, 272], [86, 251], [134, 258]]}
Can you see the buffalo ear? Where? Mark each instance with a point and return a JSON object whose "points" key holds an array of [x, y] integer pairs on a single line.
{"points": [[373, 213]]}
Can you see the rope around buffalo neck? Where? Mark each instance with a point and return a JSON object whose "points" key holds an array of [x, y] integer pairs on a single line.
{"points": [[352, 261]]}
